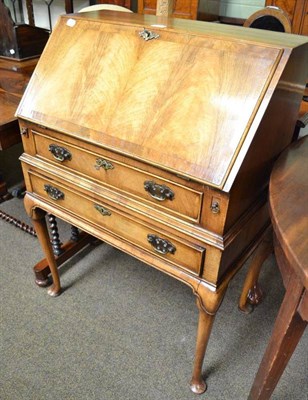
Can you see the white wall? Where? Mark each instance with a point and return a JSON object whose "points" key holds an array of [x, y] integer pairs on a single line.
{"points": [[231, 8], [240, 8], [57, 8]]}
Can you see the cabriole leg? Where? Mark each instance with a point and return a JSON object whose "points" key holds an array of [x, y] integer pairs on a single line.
{"points": [[205, 324], [38, 218], [208, 302]]}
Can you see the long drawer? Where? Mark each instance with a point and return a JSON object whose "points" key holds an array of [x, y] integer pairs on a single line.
{"points": [[108, 217], [161, 193]]}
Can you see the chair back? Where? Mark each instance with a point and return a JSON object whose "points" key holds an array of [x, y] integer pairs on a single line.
{"points": [[269, 18], [112, 7]]}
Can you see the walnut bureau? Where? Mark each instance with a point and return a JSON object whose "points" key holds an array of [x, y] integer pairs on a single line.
{"points": [[159, 140]]}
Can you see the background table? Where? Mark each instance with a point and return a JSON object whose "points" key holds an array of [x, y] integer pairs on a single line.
{"points": [[289, 215]]}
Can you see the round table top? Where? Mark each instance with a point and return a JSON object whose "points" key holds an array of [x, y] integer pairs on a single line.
{"points": [[288, 198]]}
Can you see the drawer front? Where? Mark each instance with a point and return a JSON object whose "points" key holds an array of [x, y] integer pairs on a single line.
{"points": [[106, 217], [165, 195]]}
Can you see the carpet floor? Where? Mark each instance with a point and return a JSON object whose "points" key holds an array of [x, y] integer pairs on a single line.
{"points": [[123, 330]]}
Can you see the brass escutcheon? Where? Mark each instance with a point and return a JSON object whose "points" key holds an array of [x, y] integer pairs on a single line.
{"points": [[102, 163], [102, 210], [215, 207], [148, 35]]}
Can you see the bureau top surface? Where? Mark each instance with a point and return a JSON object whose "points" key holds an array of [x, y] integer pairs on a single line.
{"points": [[185, 101]]}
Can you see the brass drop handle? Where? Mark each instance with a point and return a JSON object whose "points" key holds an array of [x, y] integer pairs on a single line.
{"points": [[102, 210], [102, 163], [60, 153], [162, 246], [53, 192], [158, 192]]}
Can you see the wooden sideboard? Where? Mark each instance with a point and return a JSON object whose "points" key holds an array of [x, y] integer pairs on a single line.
{"points": [[20, 47], [160, 140], [14, 77], [297, 11]]}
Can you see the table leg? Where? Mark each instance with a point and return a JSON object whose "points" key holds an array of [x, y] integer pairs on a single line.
{"points": [[197, 384], [39, 222], [208, 302], [70, 248], [251, 293], [288, 329]]}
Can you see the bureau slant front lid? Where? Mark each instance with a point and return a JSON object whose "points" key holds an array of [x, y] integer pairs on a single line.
{"points": [[184, 101]]}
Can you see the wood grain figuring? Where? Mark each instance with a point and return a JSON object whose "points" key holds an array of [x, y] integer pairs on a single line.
{"points": [[196, 111], [118, 223], [159, 97], [129, 180]]}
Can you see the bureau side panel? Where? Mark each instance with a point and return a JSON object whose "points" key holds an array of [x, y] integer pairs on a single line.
{"points": [[275, 132]]}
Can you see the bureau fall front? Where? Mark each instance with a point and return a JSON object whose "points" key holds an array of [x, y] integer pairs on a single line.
{"points": [[159, 140]]}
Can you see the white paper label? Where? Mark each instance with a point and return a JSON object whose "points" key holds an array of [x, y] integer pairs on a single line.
{"points": [[71, 22]]}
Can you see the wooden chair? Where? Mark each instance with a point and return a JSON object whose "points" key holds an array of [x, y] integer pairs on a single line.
{"points": [[269, 18]]}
